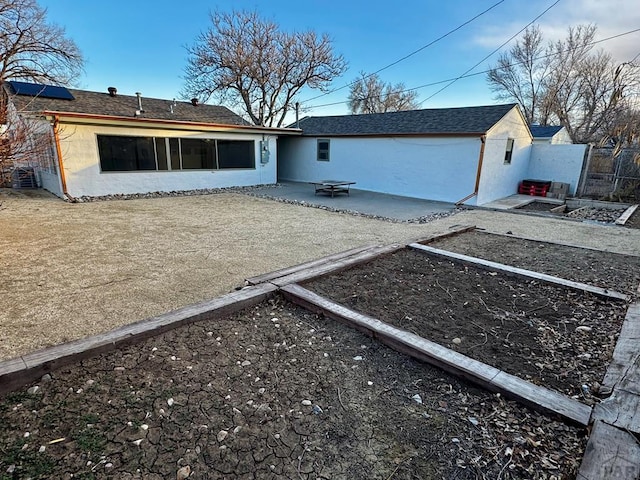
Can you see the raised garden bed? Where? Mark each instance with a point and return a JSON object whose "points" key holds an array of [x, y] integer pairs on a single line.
{"points": [[548, 335], [275, 391], [272, 392], [602, 269], [577, 212]]}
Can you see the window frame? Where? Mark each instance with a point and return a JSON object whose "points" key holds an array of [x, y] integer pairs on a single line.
{"points": [[508, 154], [172, 147], [320, 152]]}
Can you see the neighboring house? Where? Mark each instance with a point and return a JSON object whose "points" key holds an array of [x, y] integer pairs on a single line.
{"points": [[107, 143], [555, 135], [469, 155]]}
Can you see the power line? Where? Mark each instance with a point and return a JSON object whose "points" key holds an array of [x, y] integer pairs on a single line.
{"points": [[410, 54], [469, 75], [491, 54]]}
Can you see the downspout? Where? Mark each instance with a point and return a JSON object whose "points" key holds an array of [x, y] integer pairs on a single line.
{"points": [[56, 138], [483, 139]]}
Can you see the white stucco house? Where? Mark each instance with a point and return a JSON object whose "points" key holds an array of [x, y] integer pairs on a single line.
{"points": [[550, 134], [470, 155], [467, 155], [108, 143], [100, 144]]}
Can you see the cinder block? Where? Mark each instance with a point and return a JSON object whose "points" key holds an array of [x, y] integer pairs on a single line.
{"points": [[559, 187]]}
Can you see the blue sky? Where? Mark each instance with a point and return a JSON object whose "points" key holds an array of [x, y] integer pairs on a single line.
{"points": [[139, 45]]}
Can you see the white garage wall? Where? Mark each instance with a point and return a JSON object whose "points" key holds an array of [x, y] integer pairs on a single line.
{"points": [[431, 168], [499, 180], [557, 163], [84, 178]]}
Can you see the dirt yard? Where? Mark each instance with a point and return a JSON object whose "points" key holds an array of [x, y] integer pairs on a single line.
{"points": [[72, 270], [274, 391], [602, 269]]}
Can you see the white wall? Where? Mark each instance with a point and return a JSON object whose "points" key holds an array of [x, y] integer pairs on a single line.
{"points": [[84, 178], [41, 157], [561, 137], [497, 179], [557, 163], [51, 182], [441, 168]]}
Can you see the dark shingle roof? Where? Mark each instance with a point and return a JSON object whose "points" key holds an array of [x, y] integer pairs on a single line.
{"points": [[96, 103], [433, 121], [544, 131]]}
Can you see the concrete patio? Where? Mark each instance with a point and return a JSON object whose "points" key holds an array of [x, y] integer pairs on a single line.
{"points": [[362, 201]]}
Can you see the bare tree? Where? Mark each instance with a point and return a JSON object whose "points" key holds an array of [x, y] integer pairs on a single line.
{"points": [[32, 48], [586, 89], [248, 62], [369, 94], [25, 141], [521, 75], [566, 83]]}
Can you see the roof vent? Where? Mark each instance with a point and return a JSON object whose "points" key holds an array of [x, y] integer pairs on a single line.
{"points": [[140, 109], [194, 102], [112, 91]]}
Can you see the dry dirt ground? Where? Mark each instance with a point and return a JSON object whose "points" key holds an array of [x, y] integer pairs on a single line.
{"points": [[545, 334], [72, 270], [273, 391]]}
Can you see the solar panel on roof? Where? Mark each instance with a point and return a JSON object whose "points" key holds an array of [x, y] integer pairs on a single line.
{"points": [[38, 90]]}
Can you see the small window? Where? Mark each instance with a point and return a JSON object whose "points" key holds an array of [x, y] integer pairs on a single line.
{"points": [[509, 152], [323, 150]]}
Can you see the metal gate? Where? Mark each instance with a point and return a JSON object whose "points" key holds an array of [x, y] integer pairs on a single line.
{"points": [[612, 177]]}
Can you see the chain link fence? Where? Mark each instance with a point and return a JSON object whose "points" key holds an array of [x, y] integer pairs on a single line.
{"points": [[611, 176]]}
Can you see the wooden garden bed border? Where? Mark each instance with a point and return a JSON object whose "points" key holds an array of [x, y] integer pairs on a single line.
{"points": [[622, 219], [612, 447], [487, 376], [520, 272], [613, 451], [17, 372]]}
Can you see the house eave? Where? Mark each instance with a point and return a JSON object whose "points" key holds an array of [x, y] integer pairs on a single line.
{"points": [[387, 135], [75, 118]]}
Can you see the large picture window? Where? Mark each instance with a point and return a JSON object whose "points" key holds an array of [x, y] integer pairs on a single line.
{"points": [[126, 153], [235, 154], [198, 153], [123, 154]]}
